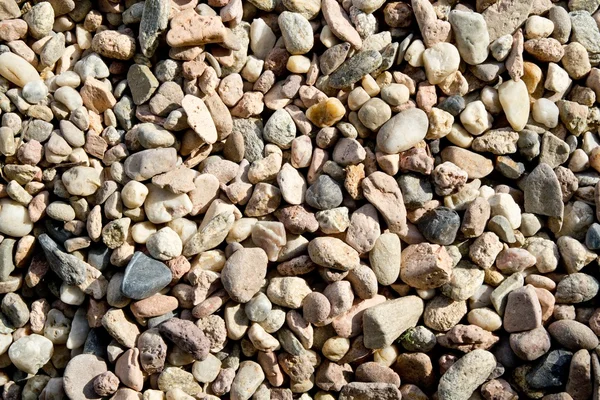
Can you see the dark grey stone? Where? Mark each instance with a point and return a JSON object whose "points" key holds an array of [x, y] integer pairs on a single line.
{"points": [[592, 237], [55, 230], [453, 105], [529, 144], [69, 268], [416, 190], [333, 57], [144, 276], [552, 370], [324, 194], [99, 256], [440, 225]]}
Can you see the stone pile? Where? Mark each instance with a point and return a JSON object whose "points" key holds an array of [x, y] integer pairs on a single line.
{"points": [[299, 199]]}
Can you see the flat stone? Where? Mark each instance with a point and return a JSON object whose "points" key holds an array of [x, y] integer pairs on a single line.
{"points": [[380, 331], [199, 118], [355, 68], [471, 35], [145, 164], [505, 16], [339, 23], [476, 165], [144, 277], [573, 335], [142, 83], [79, 375]]}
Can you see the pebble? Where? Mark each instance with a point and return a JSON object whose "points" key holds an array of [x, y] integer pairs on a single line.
{"points": [[355, 68], [471, 35], [517, 112], [79, 376], [380, 331], [392, 137], [40, 19], [244, 273], [296, 32], [465, 375], [144, 277], [573, 335], [30, 353], [187, 336], [440, 61], [15, 69]]}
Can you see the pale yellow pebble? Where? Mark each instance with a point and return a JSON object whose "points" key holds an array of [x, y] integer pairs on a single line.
{"points": [[335, 348], [485, 318], [17, 70], [460, 137], [386, 356], [357, 97], [370, 85], [327, 37], [141, 231], [212, 260], [298, 64]]}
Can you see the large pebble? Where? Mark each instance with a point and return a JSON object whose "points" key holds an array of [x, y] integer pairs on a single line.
{"points": [[403, 131], [465, 375], [30, 353], [244, 273]]}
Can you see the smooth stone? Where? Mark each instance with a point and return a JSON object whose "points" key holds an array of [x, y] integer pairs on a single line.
{"points": [[471, 35], [79, 375], [465, 375], [514, 98], [15, 69], [144, 277], [324, 194], [403, 131], [14, 219], [30, 353]]}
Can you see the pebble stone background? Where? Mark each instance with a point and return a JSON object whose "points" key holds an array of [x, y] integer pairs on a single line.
{"points": [[299, 199]]}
